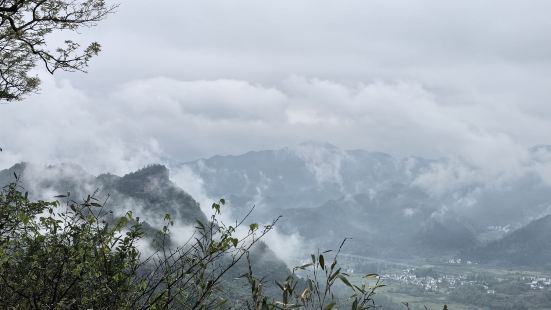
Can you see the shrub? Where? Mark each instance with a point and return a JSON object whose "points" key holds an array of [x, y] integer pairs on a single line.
{"points": [[78, 255]]}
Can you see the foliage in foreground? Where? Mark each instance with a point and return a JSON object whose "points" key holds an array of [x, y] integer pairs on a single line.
{"points": [[317, 289], [77, 255]]}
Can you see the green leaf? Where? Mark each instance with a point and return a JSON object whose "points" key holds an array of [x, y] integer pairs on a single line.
{"points": [[304, 266], [360, 289], [345, 281], [216, 208], [334, 275], [334, 264], [322, 262], [201, 225], [329, 306], [355, 304], [24, 218]]}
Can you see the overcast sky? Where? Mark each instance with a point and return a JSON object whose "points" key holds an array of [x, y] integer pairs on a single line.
{"points": [[179, 80]]}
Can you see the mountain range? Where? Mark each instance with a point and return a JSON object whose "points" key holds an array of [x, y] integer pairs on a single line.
{"points": [[385, 204]]}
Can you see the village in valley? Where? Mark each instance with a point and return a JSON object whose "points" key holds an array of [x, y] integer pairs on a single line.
{"points": [[447, 282], [451, 279]]}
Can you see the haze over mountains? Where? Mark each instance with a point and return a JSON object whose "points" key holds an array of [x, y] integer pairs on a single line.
{"points": [[391, 207]]}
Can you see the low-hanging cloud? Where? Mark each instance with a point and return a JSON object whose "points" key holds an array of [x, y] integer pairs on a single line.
{"points": [[170, 121], [290, 248]]}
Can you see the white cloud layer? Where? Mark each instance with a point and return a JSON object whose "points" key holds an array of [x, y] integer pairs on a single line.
{"points": [[169, 121]]}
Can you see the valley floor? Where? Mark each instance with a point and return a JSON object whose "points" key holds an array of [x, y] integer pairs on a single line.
{"points": [[460, 285]]}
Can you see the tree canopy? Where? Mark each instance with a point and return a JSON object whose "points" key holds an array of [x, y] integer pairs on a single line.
{"points": [[24, 43]]}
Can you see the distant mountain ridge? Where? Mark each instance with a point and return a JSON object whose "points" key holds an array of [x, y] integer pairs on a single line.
{"points": [[379, 200], [308, 175]]}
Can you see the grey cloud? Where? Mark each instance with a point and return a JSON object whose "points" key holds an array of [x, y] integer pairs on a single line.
{"points": [[459, 46], [465, 79], [166, 120]]}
